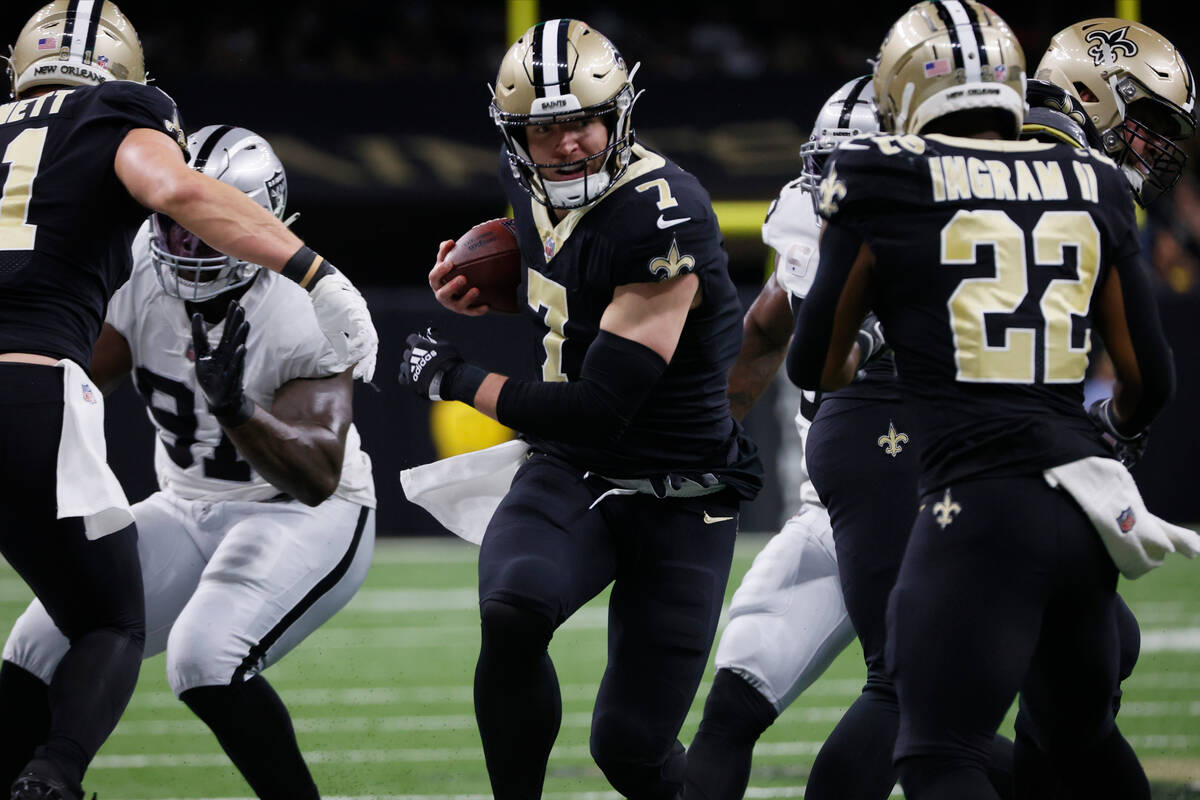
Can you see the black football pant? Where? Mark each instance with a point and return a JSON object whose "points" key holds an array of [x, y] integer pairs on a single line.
{"points": [[865, 467], [91, 589], [1006, 587], [548, 551]]}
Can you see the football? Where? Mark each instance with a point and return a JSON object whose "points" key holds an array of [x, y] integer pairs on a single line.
{"points": [[488, 256]]}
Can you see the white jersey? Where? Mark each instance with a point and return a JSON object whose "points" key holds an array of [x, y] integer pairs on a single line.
{"points": [[193, 457], [793, 230]]}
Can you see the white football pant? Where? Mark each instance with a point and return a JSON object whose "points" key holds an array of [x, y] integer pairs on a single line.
{"points": [[787, 619], [231, 586]]}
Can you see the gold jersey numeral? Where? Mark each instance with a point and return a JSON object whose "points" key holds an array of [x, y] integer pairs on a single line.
{"points": [[23, 157], [552, 296], [1013, 361]]}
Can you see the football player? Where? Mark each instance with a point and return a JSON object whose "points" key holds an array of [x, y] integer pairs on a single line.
{"points": [[987, 260], [788, 619], [86, 148], [1141, 92], [636, 468], [264, 524]]}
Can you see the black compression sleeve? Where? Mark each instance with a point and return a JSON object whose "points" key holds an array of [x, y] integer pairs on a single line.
{"points": [[1155, 362], [814, 319], [617, 376]]}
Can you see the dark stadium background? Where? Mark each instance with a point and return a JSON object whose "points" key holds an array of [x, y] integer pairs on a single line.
{"points": [[379, 112]]}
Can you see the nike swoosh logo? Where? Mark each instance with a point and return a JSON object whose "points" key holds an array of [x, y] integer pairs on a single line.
{"points": [[664, 223], [708, 520]]}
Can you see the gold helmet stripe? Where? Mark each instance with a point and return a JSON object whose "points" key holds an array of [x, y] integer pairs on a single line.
{"points": [[69, 27], [964, 39], [79, 27], [93, 27]]}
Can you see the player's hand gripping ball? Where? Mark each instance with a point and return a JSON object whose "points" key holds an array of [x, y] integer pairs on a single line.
{"points": [[488, 258]]}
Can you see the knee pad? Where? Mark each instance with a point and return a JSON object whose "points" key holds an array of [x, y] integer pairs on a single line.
{"points": [[636, 766], [198, 658], [511, 629]]}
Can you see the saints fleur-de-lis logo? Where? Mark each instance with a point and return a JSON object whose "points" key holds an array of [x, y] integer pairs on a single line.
{"points": [[892, 441], [1067, 106], [672, 263], [945, 509], [832, 190], [1106, 45]]}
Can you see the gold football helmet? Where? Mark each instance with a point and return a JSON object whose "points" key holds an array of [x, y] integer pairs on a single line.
{"points": [[561, 70], [76, 44], [1138, 91], [948, 56]]}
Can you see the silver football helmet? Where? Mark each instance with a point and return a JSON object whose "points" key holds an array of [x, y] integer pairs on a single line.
{"points": [[850, 111], [188, 268]]}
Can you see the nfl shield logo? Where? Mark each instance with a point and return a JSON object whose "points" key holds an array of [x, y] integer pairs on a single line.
{"points": [[548, 247], [1126, 520], [102, 62], [88, 397], [1000, 72]]}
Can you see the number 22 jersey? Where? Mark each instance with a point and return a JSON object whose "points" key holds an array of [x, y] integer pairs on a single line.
{"points": [[988, 255]]}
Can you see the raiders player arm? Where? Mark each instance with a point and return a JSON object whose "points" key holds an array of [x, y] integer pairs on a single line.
{"points": [[1127, 319], [639, 332], [826, 351], [299, 444], [111, 359], [766, 331]]}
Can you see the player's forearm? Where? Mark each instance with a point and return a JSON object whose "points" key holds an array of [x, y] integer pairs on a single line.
{"points": [[750, 376], [301, 459], [229, 221], [766, 332]]}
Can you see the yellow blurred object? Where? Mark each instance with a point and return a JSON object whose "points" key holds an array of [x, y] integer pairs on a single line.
{"points": [[458, 428]]}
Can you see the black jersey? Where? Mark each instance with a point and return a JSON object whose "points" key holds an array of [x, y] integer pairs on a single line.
{"points": [[988, 254], [66, 221], [656, 223]]}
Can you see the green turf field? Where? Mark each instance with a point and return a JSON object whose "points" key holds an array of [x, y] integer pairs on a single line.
{"points": [[381, 696]]}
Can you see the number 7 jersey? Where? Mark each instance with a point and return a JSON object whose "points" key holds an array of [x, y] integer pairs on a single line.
{"points": [[988, 254], [193, 457]]}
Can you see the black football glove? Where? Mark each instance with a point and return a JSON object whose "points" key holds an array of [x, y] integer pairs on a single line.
{"points": [[871, 343], [219, 372], [1128, 449], [427, 359]]}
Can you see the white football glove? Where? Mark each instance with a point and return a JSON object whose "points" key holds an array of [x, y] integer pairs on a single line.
{"points": [[346, 322]]}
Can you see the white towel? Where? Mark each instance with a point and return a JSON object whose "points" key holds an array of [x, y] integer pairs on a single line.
{"points": [[463, 491], [86, 486], [1136, 540]]}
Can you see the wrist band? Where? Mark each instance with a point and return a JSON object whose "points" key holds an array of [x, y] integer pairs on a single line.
{"points": [[461, 382], [306, 267]]}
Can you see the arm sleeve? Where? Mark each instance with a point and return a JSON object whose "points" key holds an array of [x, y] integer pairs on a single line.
{"points": [[1150, 346], [617, 376], [814, 318]]}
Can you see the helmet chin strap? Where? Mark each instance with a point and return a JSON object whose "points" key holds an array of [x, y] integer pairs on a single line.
{"points": [[577, 191]]}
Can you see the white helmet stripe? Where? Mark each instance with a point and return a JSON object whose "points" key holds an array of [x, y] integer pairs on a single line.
{"points": [[81, 29], [968, 40], [550, 69]]}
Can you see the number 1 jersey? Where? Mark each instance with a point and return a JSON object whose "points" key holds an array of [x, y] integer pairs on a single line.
{"points": [[66, 220]]}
